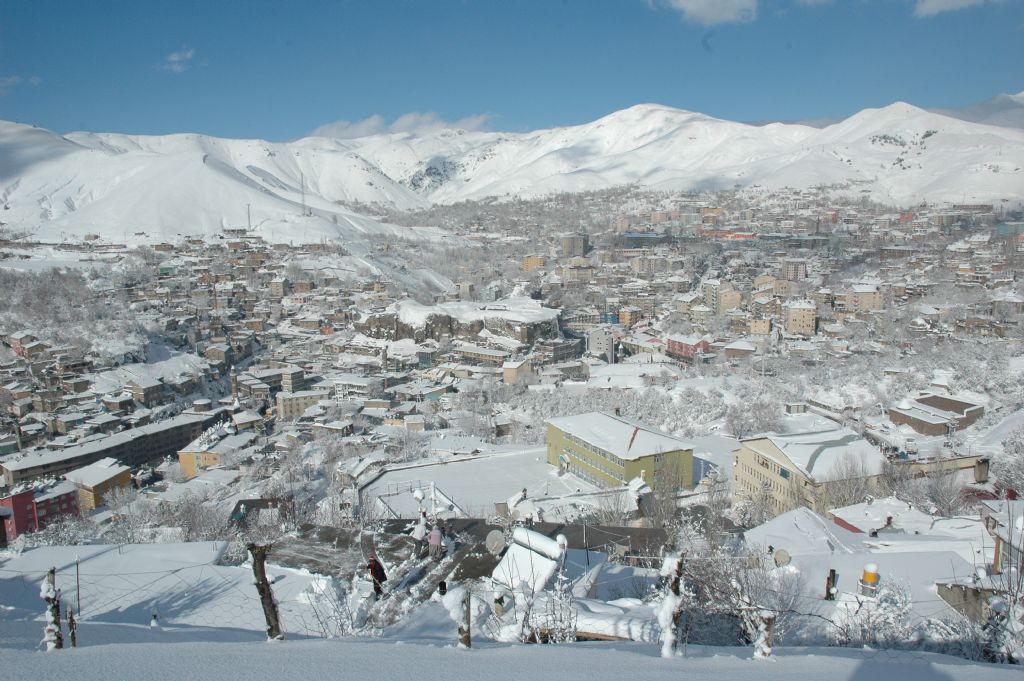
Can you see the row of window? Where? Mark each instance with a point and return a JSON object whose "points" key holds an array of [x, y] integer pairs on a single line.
{"points": [[591, 463], [604, 454]]}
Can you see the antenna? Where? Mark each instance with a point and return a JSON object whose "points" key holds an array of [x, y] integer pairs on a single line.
{"points": [[248, 215]]}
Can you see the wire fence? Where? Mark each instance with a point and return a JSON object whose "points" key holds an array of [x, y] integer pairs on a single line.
{"points": [[200, 596]]}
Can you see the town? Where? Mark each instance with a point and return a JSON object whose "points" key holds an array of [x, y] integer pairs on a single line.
{"points": [[608, 379]]}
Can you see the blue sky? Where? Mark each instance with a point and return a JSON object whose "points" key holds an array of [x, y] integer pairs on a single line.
{"points": [[280, 70]]}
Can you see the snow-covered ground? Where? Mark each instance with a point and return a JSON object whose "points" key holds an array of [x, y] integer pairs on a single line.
{"points": [[389, 659], [124, 586]]}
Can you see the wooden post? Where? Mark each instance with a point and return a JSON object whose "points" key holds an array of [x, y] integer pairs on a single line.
{"points": [[52, 636], [830, 583], [464, 639], [72, 628], [670, 632], [259, 571], [677, 591]]}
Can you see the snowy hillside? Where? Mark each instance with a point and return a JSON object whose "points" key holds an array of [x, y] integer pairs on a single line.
{"points": [[128, 187]]}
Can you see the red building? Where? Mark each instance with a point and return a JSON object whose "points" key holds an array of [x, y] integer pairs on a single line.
{"points": [[686, 346], [33, 507]]}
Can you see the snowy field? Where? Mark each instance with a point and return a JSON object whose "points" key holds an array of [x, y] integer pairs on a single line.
{"points": [[389, 659]]}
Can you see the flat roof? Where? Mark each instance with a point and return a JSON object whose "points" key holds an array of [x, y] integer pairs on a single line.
{"points": [[624, 437]]}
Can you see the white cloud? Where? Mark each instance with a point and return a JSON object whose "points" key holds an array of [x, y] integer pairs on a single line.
{"points": [[711, 12], [414, 122], [7, 83], [35, 81], [178, 62], [929, 8]]}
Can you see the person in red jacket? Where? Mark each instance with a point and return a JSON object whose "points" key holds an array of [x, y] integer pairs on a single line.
{"points": [[377, 574]]}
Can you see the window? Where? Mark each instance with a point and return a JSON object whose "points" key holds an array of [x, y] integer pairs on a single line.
{"points": [[784, 473]]}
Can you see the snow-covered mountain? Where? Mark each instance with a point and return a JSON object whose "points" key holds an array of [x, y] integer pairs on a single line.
{"points": [[161, 187], [1005, 110]]}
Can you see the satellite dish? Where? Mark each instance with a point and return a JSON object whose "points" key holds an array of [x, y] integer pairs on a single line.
{"points": [[495, 542], [781, 557]]}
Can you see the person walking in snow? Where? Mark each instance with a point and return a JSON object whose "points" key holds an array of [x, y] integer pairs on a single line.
{"points": [[419, 534], [434, 542], [377, 574]]}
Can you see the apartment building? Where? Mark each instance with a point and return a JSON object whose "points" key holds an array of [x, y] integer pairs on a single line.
{"points": [[800, 317]]}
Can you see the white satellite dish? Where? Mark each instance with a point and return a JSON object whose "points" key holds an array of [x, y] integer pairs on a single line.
{"points": [[495, 542], [781, 557]]}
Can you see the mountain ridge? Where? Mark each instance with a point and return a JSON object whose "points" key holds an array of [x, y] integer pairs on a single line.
{"points": [[188, 183]]}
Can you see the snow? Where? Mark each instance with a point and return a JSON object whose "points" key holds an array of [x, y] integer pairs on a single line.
{"points": [[803, 532], [477, 483], [208, 657], [529, 563], [124, 585], [523, 310], [625, 438]]}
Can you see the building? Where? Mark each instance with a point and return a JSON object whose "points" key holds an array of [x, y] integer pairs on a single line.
{"points": [[133, 447], [97, 480], [932, 414], [574, 245], [532, 263], [686, 347], [1003, 522], [292, 405], [601, 343], [864, 298], [800, 317], [478, 354], [146, 391], [610, 450], [211, 448], [794, 269], [729, 299], [31, 507], [803, 468], [514, 371]]}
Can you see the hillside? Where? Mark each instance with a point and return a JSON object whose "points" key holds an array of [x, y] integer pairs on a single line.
{"points": [[126, 187]]}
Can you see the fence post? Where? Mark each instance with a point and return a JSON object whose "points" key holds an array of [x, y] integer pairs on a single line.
{"points": [[72, 628], [464, 639], [52, 636], [259, 571]]}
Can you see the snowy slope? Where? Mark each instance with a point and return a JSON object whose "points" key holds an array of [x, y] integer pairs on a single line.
{"points": [[123, 186], [128, 188]]}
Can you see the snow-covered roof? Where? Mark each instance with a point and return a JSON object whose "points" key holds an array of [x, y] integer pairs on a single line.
{"points": [[624, 437], [97, 473], [822, 454]]}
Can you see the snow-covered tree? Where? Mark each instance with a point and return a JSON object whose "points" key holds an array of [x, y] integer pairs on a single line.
{"points": [[1008, 466]]}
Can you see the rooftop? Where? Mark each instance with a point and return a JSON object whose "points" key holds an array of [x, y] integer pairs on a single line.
{"points": [[624, 437]]}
